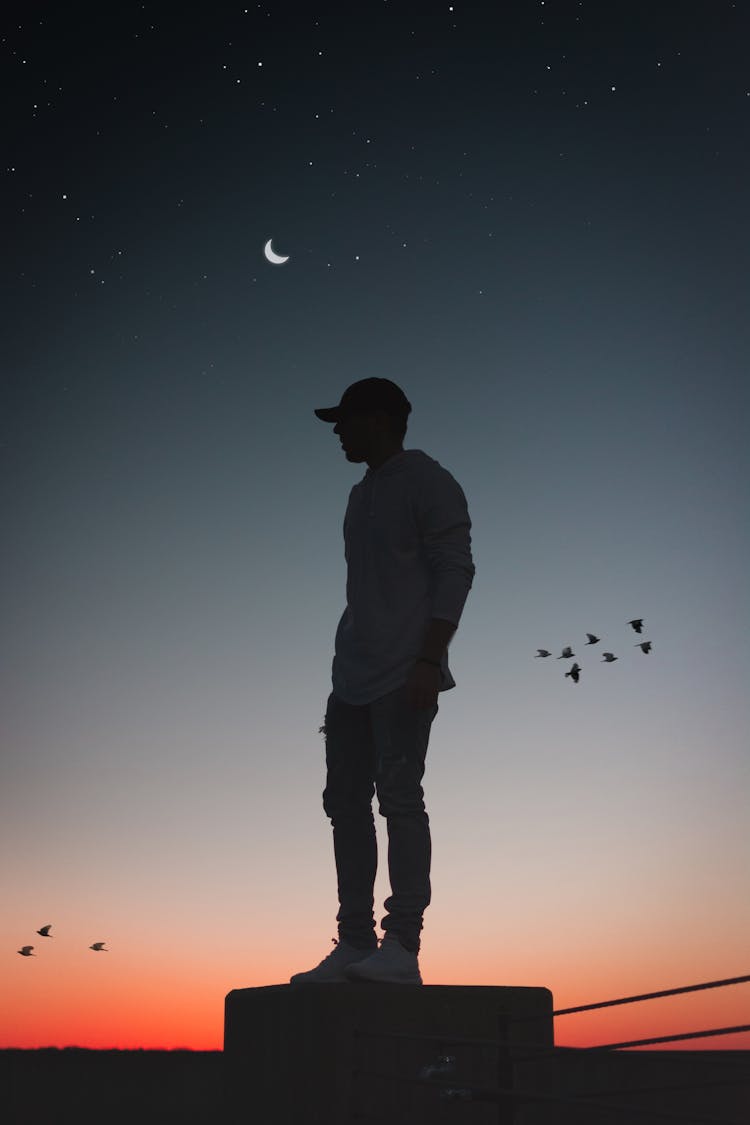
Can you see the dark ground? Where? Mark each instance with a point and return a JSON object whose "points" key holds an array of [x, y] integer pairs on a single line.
{"points": [[53, 1086]]}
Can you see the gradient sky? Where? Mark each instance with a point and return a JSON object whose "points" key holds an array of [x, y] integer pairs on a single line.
{"points": [[536, 224]]}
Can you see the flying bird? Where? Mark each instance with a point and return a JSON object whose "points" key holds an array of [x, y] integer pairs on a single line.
{"points": [[637, 624], [45, 930], [592, 639], [566, 653], [25, 951], [645, 646], [542, 652], [609, 657], [98, 947], [574, 672]]}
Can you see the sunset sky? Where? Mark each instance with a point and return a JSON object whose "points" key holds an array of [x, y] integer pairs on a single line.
{"points": [[535, 223]]}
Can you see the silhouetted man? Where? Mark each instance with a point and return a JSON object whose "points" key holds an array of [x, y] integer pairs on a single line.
{"points": [[409, 571]]}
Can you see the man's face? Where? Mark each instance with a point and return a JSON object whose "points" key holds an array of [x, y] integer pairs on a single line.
{"points": [[364, 435], [368, 438]]}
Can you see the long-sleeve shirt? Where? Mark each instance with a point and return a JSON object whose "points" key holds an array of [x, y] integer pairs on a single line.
{"points": [[407, 545]]}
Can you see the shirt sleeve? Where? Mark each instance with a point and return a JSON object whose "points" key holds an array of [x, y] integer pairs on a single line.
{"points": [[445, 531]]}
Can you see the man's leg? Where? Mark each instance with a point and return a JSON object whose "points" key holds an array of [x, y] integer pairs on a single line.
{"points": [[401, 735], [347, 800]]}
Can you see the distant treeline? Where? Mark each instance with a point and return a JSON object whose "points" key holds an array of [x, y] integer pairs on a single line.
{"points": [[108, 1050], [86, 1085]]}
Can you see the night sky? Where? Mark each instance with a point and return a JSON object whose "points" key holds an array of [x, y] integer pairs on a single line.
{"points": [[533, 217]]}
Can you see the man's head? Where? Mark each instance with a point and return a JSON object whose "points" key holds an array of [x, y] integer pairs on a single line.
{"points": [[373, 436], [370, 420]]}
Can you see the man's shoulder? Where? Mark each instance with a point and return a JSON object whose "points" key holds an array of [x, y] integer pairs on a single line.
{"points": [[422, 464], [432, 471]]}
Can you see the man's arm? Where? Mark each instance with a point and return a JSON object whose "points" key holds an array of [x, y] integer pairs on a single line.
{"points": [[444, 526], [437, 639]]}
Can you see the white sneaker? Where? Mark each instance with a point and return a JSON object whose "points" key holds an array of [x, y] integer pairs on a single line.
{"points": [[331, 968], [390, 963]]}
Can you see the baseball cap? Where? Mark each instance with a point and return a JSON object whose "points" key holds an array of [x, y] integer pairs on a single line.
{"points": [[365, 396]]}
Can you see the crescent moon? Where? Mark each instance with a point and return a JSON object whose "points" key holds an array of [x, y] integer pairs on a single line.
{"points": [[272, 257]]}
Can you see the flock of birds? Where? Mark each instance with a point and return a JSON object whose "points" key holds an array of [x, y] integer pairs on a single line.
{"points": [[568, 654], [574, 673], [44, 931]]}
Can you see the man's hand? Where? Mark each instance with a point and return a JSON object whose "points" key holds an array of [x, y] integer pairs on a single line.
{"points": [[423, 685]]}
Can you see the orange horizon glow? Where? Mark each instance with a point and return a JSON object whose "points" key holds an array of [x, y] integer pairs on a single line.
{"points": [[163, 1014]]}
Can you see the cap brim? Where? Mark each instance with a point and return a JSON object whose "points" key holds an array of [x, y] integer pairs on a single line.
{"points": [[328, 414]]}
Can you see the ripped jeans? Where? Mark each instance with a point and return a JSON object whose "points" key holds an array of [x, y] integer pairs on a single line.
{"points": [[380, 745]]}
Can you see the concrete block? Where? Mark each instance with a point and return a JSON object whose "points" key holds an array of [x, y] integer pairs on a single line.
{"points": [[341, 1054]]}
